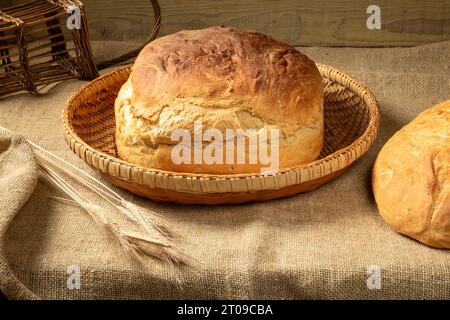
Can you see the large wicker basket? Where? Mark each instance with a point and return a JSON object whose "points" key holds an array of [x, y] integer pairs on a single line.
{"points": [[351, 125]]}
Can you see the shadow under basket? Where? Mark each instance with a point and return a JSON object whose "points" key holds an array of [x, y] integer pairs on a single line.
{"points": [[351, 125]]}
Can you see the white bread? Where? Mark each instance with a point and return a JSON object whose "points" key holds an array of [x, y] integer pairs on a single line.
{"points": [[228, 79], [411, 178]]}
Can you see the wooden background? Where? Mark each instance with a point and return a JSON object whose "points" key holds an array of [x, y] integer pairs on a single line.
{"points": [[298, 22]]}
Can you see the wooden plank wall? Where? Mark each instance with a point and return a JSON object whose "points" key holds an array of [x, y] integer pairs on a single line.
{"points": [[298, 22]]}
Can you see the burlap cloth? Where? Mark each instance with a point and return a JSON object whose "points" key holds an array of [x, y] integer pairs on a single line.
{"points": [[314, 245]]}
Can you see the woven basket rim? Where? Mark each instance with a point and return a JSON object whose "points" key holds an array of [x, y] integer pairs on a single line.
{"points": [[363, 142]]}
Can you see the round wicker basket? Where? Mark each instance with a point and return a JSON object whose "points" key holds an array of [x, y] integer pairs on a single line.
{"points": [[351, 125]]}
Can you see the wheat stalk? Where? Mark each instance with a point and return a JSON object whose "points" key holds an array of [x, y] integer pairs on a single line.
{"points": [[144, 239], [145, 235], [133, 212]]}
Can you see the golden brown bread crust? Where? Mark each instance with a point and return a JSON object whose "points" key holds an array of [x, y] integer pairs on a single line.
{"points": [[228, 79], [411, 178]]}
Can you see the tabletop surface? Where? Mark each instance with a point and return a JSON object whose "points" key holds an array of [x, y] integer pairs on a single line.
{"points": [[324, 244]]}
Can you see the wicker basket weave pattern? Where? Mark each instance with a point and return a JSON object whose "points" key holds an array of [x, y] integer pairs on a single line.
{"points": [[37, 48], [351, 125]]}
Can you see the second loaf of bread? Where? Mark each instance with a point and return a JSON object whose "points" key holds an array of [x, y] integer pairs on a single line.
{"points": [[411, 178]]}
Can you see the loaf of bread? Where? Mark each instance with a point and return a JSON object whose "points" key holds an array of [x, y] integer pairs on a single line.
{"points": [[411, 178], [226, 79]]}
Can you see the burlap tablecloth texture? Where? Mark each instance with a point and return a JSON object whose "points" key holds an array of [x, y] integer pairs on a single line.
{"points": [[313, 245]]}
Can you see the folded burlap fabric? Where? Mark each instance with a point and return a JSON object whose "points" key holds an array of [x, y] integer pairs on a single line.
{"points": [[18, 177]]}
